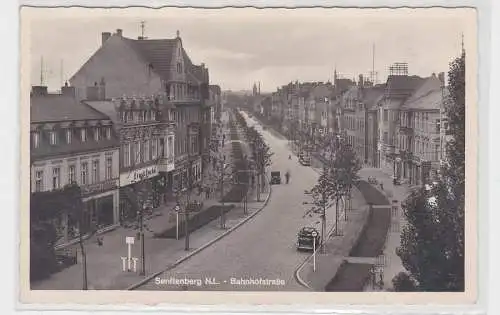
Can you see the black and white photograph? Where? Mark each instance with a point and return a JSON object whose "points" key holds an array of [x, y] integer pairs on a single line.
{"points": [[249, 150]]}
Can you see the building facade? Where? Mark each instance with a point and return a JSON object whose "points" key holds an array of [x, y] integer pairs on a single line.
{"points": [[147, 156], [73, 143], [142, 66]]}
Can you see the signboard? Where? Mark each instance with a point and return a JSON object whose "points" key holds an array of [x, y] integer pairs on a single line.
{"points": [[138, 175], [99, 187]]}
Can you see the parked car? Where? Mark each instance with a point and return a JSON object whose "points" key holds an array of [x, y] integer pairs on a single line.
{"points": [[275, 178], [305, 239]]}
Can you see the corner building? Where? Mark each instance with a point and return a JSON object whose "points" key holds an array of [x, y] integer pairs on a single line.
{"points": [[125, 66], [73, 143]]}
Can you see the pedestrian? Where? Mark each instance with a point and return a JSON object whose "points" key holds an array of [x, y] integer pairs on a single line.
{"points": [[207, 192], [382, 186], [287, 176]]}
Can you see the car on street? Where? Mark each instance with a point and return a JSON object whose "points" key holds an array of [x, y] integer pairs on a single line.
{"points": [[306, 238], [275, 178], [305, 160]]}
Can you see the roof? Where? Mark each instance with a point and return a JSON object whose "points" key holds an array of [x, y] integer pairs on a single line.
{"points": [[431, 100], [55, 107], [157, 52], [372, 95], [106, 107], [403, 83], [429, 84], [321, 91]]}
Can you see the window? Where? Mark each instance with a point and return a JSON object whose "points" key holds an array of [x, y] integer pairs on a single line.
{"points": [[83, 134], [97, 133], [36, 139], [84, 172], [109, 167], [71, 174], [153, 115], [56, 178], [137, 152], [108, 133], [145, 151], [69, 136], [38, 181], [145, 115], [53, 137], [438, 125], [126, 155], [436, 152], [154, 148], [386, 115], [386, 137], [95, 171]]}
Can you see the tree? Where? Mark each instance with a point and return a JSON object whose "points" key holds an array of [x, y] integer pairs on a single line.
{"points": [[321, 194], [432, 242], [403, 283]]}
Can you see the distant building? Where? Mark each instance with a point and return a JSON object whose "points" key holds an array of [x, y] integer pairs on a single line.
{"points": [[73, 143]]}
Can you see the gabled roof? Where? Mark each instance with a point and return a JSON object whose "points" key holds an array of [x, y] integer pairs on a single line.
{"points": [[428, 96], [157, 52], [55, 107], [106, 107], [404, 84]]}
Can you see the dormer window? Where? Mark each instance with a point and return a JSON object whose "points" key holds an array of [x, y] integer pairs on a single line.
{"points": [[36, 139], [179, 67], [108, 133], [52, 137], [124, 117], [97, 134], [69, 136], [83, 134]]}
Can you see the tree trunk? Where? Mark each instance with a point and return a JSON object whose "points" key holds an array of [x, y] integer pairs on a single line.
{"points": [[336, 216], [84, 263]]}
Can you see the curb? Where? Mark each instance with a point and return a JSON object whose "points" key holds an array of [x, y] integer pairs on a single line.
{"points": [[199, 249]]}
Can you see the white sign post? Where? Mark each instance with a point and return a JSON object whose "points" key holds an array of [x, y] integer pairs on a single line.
{"points": [[130, 241], [177, 209], [314, 235]]}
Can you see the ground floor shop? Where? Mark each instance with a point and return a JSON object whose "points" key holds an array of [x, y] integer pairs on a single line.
{"points": [[100, 212], [187, 172]]}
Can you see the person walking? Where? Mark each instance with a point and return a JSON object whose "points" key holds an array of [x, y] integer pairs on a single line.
{"points": [[287, 176]]}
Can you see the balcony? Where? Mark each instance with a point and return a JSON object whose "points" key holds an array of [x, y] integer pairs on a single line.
{"points": [[166, 164]]}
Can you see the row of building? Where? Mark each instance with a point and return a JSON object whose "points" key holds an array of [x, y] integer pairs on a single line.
{"points": [[398, 126], [138, 111]]}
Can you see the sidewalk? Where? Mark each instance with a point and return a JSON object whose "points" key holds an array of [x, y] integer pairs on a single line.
{"points": [[336, 247], [104, 263], [393, 263]]}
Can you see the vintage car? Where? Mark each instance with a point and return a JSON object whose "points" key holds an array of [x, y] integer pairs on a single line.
{"points": [[275, 178], [306, 239], [305, 160]]}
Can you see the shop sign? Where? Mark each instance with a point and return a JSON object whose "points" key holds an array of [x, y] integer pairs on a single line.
{"points": [[138, 175], [99, 187]]}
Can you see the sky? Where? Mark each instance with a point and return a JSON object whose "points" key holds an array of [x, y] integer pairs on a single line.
{"points": [[243, 46]]}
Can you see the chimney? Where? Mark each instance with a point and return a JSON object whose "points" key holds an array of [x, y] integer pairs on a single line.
{"points": [[102, 89], [105, 36], [441, 78], [68, 90], [360, 81], [93, 92], [39, 90], [119, 32]]}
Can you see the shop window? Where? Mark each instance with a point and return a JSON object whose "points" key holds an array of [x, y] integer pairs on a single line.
{"points": [[56, 178], [38, 181]]}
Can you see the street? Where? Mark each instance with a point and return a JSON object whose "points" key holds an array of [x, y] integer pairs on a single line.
{"points": [[263, 248]]}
